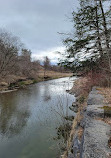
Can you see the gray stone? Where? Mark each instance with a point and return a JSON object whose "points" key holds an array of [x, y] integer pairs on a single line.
{"points": [[76, 146], [95, 143], [82, 123], [75, 109], [74, 104]]}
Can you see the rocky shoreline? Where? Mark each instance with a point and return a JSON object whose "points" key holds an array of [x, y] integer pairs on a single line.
{"points": [[90, 134], [74, 142]]}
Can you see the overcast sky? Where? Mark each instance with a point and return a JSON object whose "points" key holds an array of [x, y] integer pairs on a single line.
{"points": [[37, 22]]}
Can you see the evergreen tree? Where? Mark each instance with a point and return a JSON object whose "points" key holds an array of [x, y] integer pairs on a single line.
{"points": [[92, 38]]}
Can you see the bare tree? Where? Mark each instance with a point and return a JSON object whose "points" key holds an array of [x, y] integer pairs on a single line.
{"points": [[9, 47], [46, 64], [36, 68], [24, 62]]}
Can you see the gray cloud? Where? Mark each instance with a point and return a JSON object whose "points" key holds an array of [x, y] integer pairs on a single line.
{"points": [[37, 22]]}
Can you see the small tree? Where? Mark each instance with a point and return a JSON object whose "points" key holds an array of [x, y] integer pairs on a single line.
{"points": [[46, 64], [24, 62], [9, 48]]}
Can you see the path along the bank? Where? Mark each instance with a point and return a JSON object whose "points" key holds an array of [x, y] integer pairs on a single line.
{"points": [[96, 131]]}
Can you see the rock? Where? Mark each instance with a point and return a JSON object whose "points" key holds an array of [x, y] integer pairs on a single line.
{"points": [[75, 109], [76, 148], [96, 139], [70, 155], [95, 98], [70, 118], [74, 104], [95, 136], [82, 123]]}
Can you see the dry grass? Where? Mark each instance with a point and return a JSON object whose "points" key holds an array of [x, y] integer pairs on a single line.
{"points": [[53, 74], [81, 86], [39, 76], [107, 94], [81, 89], [106, 120], [11, 78]]}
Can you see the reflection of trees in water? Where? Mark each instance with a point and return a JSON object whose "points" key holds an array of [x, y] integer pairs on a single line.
{"points": [[12, 119], [46, 92], [47, 97]]}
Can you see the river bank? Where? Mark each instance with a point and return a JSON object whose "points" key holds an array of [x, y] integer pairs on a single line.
{"points": [[18, 82], [75, 140], [90, 136]]}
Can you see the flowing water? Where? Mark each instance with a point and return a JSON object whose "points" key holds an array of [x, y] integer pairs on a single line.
{"points": [[29, 117]]}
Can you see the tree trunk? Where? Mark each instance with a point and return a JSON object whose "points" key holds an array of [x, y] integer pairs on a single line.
{"points": [[104, 24], [105, 33], [98, 32]]}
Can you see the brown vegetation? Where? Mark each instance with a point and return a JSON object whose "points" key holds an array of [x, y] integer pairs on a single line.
{"points": [[81, 88], [107, 94], [17, 68], [53, 74], [12, 82]]}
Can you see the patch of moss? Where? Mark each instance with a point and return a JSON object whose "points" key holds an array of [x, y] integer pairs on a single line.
{"points": [[81, 99], [107, 111], [21, 83], [69, 118], [98, 88], [34, 81], [27, 82], [106, 108]]}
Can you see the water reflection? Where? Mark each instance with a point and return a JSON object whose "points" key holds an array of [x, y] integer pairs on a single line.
{"points": [[28, 121], [12, 118], [46, 92]]}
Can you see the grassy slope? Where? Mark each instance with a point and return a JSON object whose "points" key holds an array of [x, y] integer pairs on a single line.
{"points": [[10, 79], [53, 75]]}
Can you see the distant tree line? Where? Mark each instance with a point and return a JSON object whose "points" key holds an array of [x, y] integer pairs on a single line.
{"points": [[16, 60]]}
